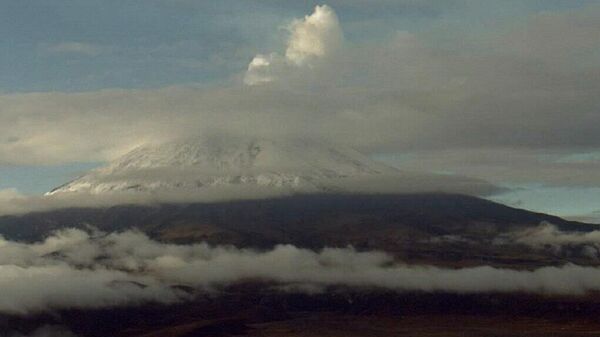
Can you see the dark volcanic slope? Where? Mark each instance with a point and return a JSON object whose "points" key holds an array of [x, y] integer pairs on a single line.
{"points": [[298, 219], [400, 224]]}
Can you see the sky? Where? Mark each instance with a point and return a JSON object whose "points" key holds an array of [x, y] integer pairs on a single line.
{"points": [[504, 91]]}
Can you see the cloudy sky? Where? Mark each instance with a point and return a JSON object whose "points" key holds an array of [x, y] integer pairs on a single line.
{"points": [[505, 91]]}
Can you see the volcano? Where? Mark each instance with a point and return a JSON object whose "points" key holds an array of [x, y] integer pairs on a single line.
{"points": [[259, 193]]}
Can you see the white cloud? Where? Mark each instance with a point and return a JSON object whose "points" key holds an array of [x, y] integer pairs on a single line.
{"points": [[549, 234], [550, 239], [262, 69], [318, 35], [315, 38], [83, 270]]}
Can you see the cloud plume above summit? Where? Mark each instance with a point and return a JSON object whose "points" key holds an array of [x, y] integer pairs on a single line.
{"points": [[314, 40]]}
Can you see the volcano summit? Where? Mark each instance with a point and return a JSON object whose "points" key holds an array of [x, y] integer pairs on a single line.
{"points": [[222, 168]]}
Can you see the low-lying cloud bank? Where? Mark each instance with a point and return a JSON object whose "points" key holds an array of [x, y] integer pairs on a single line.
{"points": [[548, 234], [549, 237], [75, 268]]}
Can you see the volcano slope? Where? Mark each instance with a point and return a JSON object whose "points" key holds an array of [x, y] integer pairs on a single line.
{"points": [[439, 229]]}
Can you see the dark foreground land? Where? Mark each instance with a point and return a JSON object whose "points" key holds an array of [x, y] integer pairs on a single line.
{"points": [[244, 311], [424, 326]]}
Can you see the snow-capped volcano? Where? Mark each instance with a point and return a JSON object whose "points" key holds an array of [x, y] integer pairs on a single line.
{"points": [[210, 163]]}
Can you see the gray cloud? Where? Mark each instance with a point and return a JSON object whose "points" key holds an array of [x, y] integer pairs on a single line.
{"points": [[548, 167], [530, 89], [185, 189]]}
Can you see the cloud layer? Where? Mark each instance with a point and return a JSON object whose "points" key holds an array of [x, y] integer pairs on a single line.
{"points": [[81, 269], [547, 237], [180, 186]]}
